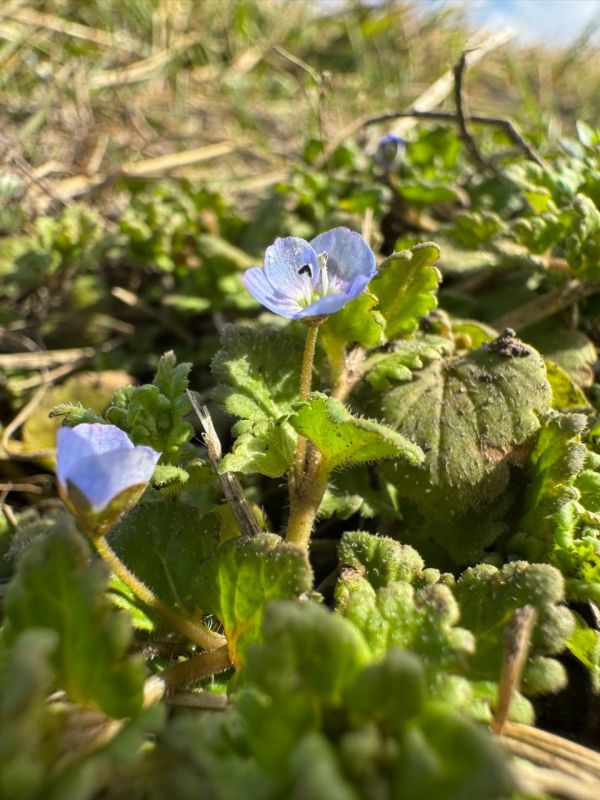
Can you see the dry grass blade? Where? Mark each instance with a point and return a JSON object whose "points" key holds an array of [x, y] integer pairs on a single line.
{"points": [[44, 358], [518, 635], [232, 488], [80, 185], [38, 19]]}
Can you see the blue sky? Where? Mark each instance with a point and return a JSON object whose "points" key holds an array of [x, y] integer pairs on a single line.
{"points": [[535, 21]]}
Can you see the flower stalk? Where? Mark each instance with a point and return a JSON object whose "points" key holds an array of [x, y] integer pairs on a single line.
{"points": [[195, 632], [305, 505], [299, 467]]}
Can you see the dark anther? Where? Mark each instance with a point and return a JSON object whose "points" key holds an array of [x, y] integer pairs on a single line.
{"points": [[305, 270]]}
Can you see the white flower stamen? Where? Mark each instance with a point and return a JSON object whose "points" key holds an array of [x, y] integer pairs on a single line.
{"points": [[322, 261]]}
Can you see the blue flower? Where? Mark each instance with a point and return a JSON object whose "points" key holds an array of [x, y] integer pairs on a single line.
{"points": [[390, 149], [100, 471], [312, 279]]}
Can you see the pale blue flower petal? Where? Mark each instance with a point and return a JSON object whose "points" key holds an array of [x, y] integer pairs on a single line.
{"points": [[101, 478], [324, 306], [306, 280], [348, 254], [390, 150], [104, 437], [71, 447], [291, 267], [257, 283]]}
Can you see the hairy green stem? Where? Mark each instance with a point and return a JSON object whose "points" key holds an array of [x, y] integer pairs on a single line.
{"points": [[305, 505], [195, 632], [305, 386], [185, 672]]}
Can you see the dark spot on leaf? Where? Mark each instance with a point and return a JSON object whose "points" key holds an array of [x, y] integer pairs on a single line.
{"points": [[508, 345]]}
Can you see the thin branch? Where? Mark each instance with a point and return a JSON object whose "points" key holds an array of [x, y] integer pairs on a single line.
{"points": [[232, 488], [506, 125], [546, 305], [461, 114]]}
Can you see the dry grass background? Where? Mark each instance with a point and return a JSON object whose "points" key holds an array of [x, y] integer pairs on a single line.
{"points": [[227, 91]]}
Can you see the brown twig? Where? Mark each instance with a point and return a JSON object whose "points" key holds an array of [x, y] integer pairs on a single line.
{"points": [[461, 116], [506, 125], [518, 637], [546, 305], [232, 488]]}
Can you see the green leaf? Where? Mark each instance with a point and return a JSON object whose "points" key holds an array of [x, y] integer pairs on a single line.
{"points": [[393, 690], [309, 650], [57, 588], [568, 347], [258, 371], [566, 395], [154, 414], [307, 660], [488, 599], [473, 416], [165, 544], [584, 644], [317, 773], [359, 322], [379, 559], [406, 287], [397, 615], [384, 369], [243, 576], [169, 475], [344, 439], [266, 447], [26, 678], [583, 242], [447, 757]]}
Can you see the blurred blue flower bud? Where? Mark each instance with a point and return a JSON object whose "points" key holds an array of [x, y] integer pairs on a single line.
{"points": [[100, 472], [390, 150], [312, 279]]}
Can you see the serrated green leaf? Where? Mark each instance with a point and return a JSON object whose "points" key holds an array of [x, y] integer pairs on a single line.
{"points": [[396, 615], [165, 544], [488, 599], [167, 474], [358, 322], [343, 439], [384, 369], [583, 242], [258, 371], [56, 588], [243, 576], [154, 414], [406, 287], [379, 559], [472, 415], [266, 447]]}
